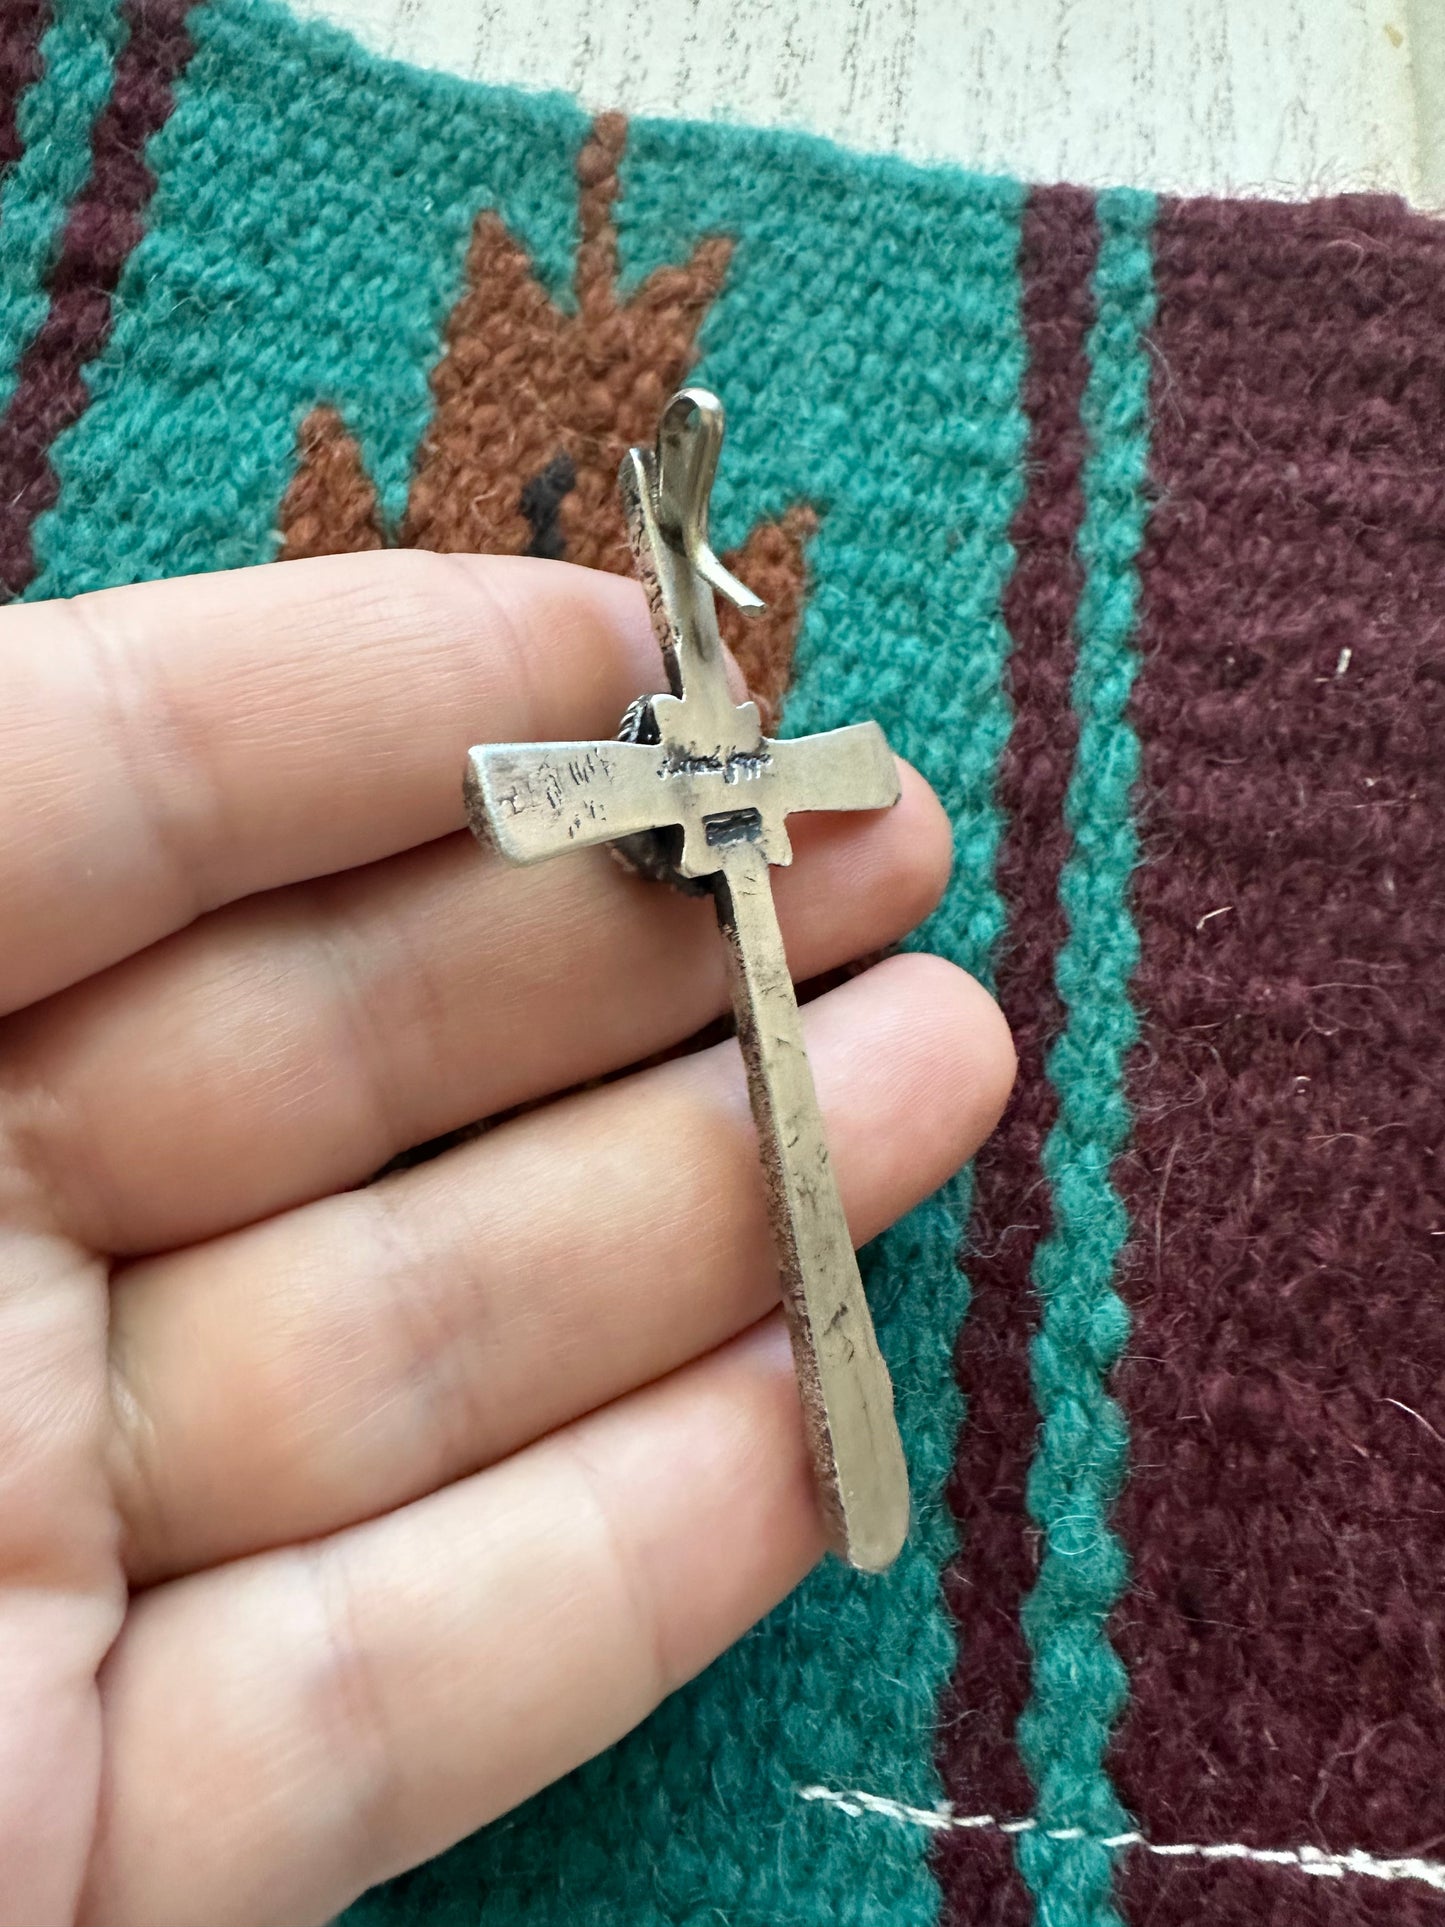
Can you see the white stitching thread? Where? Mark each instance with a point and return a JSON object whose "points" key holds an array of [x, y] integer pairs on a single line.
{"points": [[1331, 1866]]}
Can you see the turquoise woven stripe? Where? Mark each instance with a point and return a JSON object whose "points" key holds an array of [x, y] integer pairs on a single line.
{"points": [[54, 119], [310, 221], [869, 345], [1079, 1685]]}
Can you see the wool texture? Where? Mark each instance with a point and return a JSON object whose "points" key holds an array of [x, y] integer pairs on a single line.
{"points": [[1286, 1510], [1078, 1683], [65, 81], [20, 67], [102, 225], [527, 388], [978, 1758], [1126, 520]]}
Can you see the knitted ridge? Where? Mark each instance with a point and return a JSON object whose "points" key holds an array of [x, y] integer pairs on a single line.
{"points": [[1127, 521], [978, 1758], [1078, 1683], [64, 68], [101, 226]]}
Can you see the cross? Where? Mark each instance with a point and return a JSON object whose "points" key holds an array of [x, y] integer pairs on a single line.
{"points": [[694, 794]]}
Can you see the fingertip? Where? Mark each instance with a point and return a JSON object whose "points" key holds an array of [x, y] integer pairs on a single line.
{"points": [[914, 1064], [929, 838], [969, 1040]]}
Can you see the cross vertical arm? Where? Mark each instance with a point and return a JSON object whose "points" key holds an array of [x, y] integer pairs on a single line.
{"points": [[846, 1393]]}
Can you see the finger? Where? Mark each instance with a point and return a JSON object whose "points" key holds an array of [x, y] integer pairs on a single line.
{"points": [[292, 1044], [314, 1370], [287, 1731], [170, 747]]}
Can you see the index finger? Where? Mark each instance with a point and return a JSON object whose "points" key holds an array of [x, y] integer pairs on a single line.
{"points": [[170, 747]]}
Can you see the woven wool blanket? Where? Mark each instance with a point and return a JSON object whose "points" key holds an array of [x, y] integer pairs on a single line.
{"points": [[1126, 518]]}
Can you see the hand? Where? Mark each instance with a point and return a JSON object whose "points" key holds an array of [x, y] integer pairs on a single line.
{"points": [[334, 1521]]}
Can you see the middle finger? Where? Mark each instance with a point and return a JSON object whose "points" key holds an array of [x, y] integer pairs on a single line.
{"points": [[289, 1045]]}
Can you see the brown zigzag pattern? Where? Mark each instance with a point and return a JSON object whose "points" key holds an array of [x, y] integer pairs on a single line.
{"points": [[535, 408]]}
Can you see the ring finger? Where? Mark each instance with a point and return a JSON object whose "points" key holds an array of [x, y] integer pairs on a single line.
{"points": [[332, 1364]]}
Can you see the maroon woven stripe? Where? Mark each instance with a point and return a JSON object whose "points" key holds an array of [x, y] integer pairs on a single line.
{"points": [[1233, 1894], [101, 229], [1284, 1632], [21, 26], [986, 1584]]}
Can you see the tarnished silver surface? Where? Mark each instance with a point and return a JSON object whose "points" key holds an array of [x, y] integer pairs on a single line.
{"points": [[695, 793]]}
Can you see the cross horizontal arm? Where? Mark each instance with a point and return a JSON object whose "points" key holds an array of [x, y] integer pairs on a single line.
{"points": [[535, 800], [842, 769]]}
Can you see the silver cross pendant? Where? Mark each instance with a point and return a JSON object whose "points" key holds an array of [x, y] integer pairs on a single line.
{"points": [[694, 794]]}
